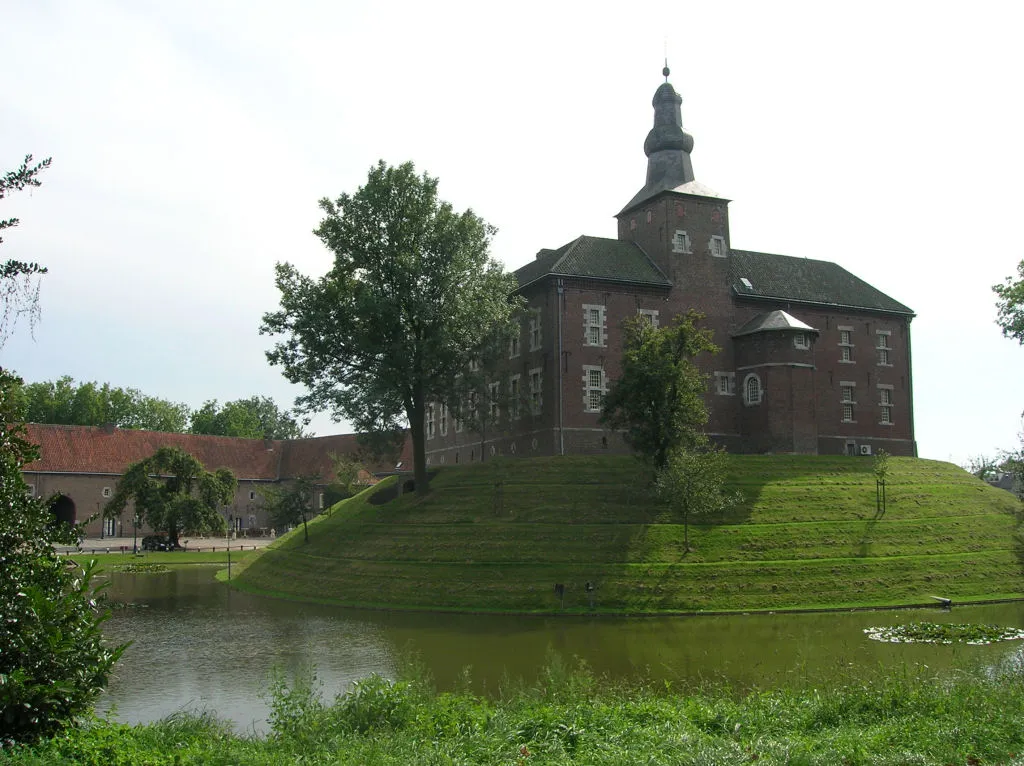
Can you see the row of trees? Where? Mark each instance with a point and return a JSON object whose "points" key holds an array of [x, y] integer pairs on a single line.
{"points": [[65, 402]]}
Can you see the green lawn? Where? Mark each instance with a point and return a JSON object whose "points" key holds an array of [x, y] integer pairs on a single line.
{"points": [[806, 536]]}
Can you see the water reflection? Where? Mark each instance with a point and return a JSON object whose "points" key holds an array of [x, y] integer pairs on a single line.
{"points": [[198, 644]]}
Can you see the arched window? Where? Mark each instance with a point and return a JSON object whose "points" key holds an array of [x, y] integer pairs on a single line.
{"points": [[752, 391]]}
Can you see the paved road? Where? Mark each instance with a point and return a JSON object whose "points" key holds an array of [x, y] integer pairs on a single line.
{"points": [[116, 544]]}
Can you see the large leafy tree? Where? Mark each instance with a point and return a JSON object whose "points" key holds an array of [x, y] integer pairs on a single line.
{"points": [[257, 417], [291, 503], [53, 662], [1010, 305], [65, 402], [174, 494], [19, 280], [408, 302], [658, 400]]}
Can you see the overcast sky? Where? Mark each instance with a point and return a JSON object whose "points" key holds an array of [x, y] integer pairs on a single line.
{"points": [[191, 141]]}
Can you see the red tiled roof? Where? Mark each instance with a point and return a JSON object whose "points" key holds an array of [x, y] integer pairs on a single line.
{"points": [[97, 450]]}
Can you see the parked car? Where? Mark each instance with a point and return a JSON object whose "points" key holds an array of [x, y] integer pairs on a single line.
{"points": [[159, 543]]}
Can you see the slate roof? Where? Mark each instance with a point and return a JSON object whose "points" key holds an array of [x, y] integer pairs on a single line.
{"points": [[803, 280], [773, 321], [96, 450], [594, 258], [695, 188]]}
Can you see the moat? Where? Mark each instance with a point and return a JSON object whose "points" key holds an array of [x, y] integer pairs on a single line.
{"points": [[197, 644]]}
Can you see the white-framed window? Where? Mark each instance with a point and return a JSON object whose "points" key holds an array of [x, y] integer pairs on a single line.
{"points": [[593, 388], [717, 246], [471, 405], [845, 336], [107, 492], [535, 336], [802, 341], [31, 490], [594, 331], [725, 383], [459, 418], [847, 391], [513, 346], [883, 347], [493, 408], [848, 413], [474, 365], [650, 316], [681, 242], [536, 400], [752, 391], [846, 354], [320, 500], [109, 527], [885, 404], [443, 418], [252, 494], [513, 396], [430, 421], [650, 216]]}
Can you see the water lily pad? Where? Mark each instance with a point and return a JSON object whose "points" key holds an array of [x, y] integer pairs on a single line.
{"points": [[942, 633]]}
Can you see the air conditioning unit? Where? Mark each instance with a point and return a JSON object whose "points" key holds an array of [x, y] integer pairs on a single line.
{"points": [[865, 449]]}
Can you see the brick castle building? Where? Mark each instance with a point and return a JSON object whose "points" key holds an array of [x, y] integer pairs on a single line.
{"points": [[813, 359]]}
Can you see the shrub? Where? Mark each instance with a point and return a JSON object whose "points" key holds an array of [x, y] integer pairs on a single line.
{"points": [[53, 662]]}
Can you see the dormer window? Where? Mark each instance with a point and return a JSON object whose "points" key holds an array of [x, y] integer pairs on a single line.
{"points": [[681, 242]]}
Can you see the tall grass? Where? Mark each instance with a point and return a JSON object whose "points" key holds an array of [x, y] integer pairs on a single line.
{"points": [[570, 717]]}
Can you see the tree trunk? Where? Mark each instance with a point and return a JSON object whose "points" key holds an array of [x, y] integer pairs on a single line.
{"points": [[305, 529], [419, 446]]}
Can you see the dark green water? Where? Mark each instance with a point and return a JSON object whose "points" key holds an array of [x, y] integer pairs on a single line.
{"points": [[199, 645]]}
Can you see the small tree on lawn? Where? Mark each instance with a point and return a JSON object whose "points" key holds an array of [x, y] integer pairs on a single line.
{"points": [[692, 483], [292, 503], [658, 399], [53, 662], [174, 494], [881, 471]]}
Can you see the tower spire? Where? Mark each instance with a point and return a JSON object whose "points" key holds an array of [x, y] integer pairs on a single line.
{"points": [[667, 146]]}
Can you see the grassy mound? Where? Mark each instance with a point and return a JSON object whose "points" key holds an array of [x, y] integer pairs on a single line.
{"points": [[499, 536]]}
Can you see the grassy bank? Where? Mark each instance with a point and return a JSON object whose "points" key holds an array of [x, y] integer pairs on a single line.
{"points": [[499, 536], [111, 561], [569, 718]]}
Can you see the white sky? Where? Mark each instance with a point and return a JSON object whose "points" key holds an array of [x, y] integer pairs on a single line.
{"points": [[191, 141]]}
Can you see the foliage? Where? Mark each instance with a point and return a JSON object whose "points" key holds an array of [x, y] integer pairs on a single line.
{"points": [[19, 284], [408, 302], [692, 483], [64, 402], [53, 662], [291, 503], [1010, 305], [983, 466], [348, 474], [943, 633], [659, 397], [174, 494], [257, 417]]}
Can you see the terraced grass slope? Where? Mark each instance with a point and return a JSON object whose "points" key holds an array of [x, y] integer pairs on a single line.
{"points": [[499, 536]]}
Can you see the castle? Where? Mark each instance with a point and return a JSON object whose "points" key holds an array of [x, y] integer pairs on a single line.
{"points": [[813, 359]]}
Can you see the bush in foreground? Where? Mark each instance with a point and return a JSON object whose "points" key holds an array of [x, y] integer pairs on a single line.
{"points": [[53, 662], [569, 717]]}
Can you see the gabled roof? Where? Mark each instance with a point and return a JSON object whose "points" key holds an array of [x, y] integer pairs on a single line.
{"points": [[594, 258], [802, 280], [96, 450], [773, 321]]}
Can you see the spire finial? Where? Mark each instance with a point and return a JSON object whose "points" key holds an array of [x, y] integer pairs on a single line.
{"points": [[665, 70]]}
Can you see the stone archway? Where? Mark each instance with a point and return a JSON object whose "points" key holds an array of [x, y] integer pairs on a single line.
{"points": [[64, 510]]}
